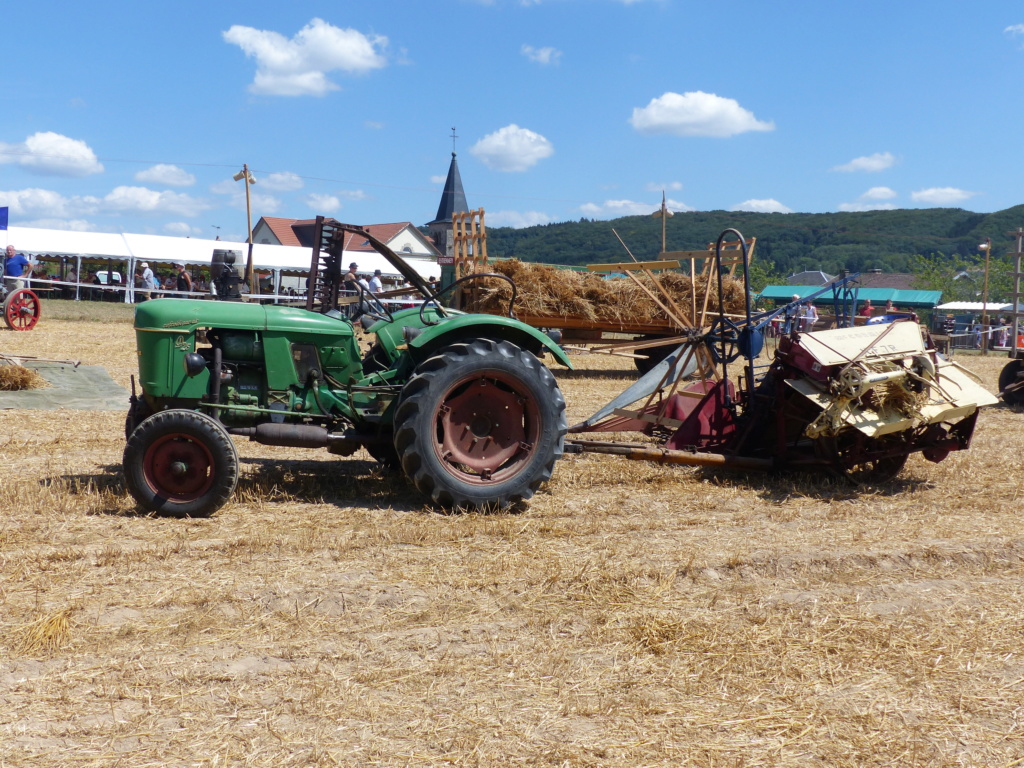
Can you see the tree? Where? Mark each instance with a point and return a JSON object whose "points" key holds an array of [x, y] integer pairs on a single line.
{"points": [[953, 275]]}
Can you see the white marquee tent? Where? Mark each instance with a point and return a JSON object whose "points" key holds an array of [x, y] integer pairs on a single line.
{"points": [[157, 249]]}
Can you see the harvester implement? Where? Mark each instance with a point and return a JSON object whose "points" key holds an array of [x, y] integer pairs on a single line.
{"points": [[856, 400]]}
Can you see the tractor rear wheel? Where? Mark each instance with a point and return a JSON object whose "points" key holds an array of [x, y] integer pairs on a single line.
{"points": [[1011, 374], [861, 459], [21, 310], [181, 463], [480, 425]]}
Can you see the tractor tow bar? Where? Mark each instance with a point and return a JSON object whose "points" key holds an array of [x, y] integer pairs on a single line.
{"points": [[669, 456]]}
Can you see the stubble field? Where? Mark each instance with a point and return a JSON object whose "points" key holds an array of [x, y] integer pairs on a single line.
{"points": [[630, 615]]}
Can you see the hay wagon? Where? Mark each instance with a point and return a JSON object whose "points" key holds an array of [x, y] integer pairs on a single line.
{"points": [[643, 312]]}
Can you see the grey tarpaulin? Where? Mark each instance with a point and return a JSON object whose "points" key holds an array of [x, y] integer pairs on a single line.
{"points": [[81, 388]]}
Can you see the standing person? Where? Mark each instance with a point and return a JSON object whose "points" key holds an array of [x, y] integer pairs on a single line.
{"points": [[376, 285], [16, 268], [1003, 333], [792, 316], [866, 309], [808, 317], [183, 282], [148, 280], [350, 283]]}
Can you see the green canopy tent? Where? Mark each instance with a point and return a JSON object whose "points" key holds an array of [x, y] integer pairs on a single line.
{"points": [[783, 294]]}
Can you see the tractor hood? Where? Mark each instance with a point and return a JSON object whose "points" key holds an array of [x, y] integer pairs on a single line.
{"points": [[185, 315]]}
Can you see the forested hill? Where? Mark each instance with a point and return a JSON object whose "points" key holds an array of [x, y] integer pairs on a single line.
{"points": [[793, 241]]}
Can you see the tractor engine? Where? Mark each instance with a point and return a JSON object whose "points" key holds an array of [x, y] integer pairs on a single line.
{"points": [[239, 375]]}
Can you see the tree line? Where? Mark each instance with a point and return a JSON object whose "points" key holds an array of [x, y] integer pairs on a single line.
{"points": [[935, 243]]}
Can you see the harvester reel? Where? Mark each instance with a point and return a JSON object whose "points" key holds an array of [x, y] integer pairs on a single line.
{"points": [[21, 310]]}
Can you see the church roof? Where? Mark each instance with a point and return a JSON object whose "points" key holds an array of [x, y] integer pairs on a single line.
{"points": [[453, 199]]}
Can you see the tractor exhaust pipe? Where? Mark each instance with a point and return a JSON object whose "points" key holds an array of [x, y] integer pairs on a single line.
{"points": [[307, 436], [289, 435]]}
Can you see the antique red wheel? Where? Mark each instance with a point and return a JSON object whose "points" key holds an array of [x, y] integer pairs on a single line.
{"points": [[480, 424], [180, 463], [486, 427], [178, 467], [21, 310]]}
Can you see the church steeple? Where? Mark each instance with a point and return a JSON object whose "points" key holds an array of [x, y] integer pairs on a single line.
{"points": [[453, 199]]}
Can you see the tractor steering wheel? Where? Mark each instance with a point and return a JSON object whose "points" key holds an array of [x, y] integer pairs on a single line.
{"points": [[384, 314]]}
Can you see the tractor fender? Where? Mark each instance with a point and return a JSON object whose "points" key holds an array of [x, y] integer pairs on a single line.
{"points": [[463, 327]]}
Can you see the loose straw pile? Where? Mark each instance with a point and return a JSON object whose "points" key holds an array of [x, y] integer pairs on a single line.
{"points": [[547, 291]]}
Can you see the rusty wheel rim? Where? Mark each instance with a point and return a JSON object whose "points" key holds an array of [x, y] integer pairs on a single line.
{"points": [[179, 468], [486, 429]]}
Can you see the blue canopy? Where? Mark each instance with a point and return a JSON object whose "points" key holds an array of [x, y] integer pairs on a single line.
{"points": [[878, 296]]}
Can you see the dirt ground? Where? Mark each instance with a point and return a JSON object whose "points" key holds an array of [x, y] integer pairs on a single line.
{"points": [[630, 615]]}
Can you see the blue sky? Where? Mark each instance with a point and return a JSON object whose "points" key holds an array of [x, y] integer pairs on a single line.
{"points": [[133, 117]]}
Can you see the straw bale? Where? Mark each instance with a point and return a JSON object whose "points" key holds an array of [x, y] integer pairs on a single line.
{"points": [[14, 378], [548, 291]]}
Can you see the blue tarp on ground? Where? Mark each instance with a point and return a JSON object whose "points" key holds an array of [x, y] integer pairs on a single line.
{"points": [[878, 296]]}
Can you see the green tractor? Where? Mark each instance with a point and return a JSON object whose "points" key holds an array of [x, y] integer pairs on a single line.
{"points": [[460, 402]]}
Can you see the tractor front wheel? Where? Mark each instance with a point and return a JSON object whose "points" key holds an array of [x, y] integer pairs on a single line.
{"points": [[21, 310], [480, 425], [181, 463]]}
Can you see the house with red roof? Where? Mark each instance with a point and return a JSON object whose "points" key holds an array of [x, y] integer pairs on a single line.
{"points": [[401, 237]]}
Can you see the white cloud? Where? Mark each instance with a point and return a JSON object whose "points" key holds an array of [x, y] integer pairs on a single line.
{"points": [[1016, 29], [611, 209], [770, 205], [879, 193], [669, 186], [44, 203], [168, 175], [52, 154], [48, 204], [438, 179], [283, 181], [696, 113], [267, 205], [182, 229], [941, 195], [869, 201], [544, 56], [125, 199], [70, 225], [323, 203], [517, 219], [299, 66], [512, 149], [868, 164]]}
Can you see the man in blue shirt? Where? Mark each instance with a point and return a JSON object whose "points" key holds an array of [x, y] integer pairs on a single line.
{"points": [[15, 268]]}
